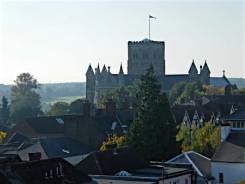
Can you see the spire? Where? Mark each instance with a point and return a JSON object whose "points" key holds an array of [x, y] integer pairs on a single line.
{"points": [[121, 70], [90, 70], [193, 68], [97, 70], [104, 70], [205, 67]]}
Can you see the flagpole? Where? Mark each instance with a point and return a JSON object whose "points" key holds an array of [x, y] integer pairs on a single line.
{"points": [[149, 28]]}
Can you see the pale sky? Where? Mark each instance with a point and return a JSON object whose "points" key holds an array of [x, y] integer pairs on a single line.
{"points": [[56, 40]]}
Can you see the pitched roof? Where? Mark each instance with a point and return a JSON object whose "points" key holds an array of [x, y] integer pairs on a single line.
{"points": [[47, 124], [218, 81], [112, 161], [17, 137], [55, 147], [39, 126], [232, 150], [200, 163]]}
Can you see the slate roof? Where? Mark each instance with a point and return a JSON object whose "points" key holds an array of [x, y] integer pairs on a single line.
{"points": [[55, 147], [39, 126], [218, 81], [232, 150], [237, 115], [46, 124], [17, 137], [200, 163], [111, 162]]}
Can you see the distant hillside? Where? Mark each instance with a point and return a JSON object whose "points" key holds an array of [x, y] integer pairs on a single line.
{"points": [[70, 91], [240, 82], [52, 92]]}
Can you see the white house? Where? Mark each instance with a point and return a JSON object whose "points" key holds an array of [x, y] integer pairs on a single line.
{"points": [[228, 163]]}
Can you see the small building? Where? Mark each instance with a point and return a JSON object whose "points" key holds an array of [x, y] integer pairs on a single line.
{"points": [[228, 162]]}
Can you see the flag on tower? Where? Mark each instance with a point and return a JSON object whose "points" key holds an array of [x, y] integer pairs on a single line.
{"points": [[151, 17]]}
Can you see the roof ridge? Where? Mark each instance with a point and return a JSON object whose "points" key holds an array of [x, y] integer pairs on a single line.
{"points": [[193, 164]]}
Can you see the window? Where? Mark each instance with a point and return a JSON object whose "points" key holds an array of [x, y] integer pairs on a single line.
{"points": [[242, 125], [221, 178]]}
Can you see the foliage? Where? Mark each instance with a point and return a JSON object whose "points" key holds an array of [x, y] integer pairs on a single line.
{"points": [[76, 106], [239, 91], [185, 92], [204, 140], [153, 131], [4, 111], [212, 90], [59, 108], [2, 137], [119, 141], [119, 95], [25, 102]]}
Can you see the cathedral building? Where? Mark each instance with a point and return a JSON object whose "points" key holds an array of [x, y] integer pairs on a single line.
{"points": [[142, 54]]}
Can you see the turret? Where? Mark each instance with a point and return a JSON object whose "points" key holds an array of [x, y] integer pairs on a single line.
{"points": [[193, 72], [121, 70], [205, 74], [97, 70], [104, 71], [90, 84], [121, 76]]}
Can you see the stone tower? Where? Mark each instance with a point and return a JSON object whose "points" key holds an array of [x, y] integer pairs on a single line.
{"points": [[144, 53], [90, 84]]}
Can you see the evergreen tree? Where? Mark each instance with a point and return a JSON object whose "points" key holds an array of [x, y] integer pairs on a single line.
{"points": [[153, 131], [59, 108], [4, 111], [25, 101]]}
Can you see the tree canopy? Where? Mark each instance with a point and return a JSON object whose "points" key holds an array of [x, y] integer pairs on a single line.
{"points": [[25, 102], [153, 131], [59, 108], [204, 140]]}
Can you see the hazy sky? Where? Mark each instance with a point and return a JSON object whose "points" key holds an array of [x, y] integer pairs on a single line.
{"points": [[56, 40]]}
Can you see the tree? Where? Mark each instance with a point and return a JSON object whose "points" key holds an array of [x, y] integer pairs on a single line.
{"points": [[76, 106], [59, 108], [25, 101], [185, 92], [4, 111], [153, 131], [121, 96], [204, 140]]}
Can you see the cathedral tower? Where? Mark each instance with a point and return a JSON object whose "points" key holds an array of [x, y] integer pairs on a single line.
{"points": [[144, 53]]}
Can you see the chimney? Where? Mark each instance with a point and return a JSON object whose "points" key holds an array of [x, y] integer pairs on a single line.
{"points": [[86, 107], [110, 106], [200, 68], [35, 156]]}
